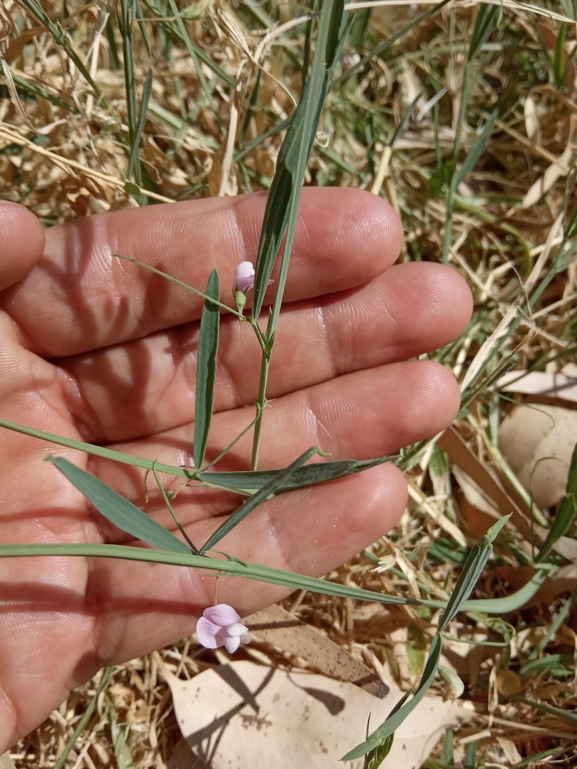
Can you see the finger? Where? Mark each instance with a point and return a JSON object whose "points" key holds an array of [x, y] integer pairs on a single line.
{"points": [[147, 386], [81, 297], [22, 238], [142, 607], [360, 415]]}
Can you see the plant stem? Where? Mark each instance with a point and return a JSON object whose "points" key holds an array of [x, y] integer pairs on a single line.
{"points": [[260, 404]]}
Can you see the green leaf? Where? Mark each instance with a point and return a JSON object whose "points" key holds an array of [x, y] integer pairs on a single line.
{"points": [[231, 567], [510, 602], [310, 475], [375, 757], [260, 496], [403, 708], [118, 510], [206, 369], [471, 572], [566, 512], [284, 196]]}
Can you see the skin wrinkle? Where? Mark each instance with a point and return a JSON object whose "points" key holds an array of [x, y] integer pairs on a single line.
{"points": [[328, 343], [312, 420]]}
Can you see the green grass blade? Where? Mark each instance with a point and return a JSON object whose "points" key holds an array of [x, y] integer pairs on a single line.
{"points": [[475, 152], [125, 23], [484, 25], [172, 30], [447, 756], [470, 756], [375, 757], [553, 627], [566, 715], [206, 368], [85, 718], [471, 572], [63, 41], [35, 90], [193, 52], [566, 513], [256, 499], [119, 510], [386, 44], [143, 29], [403, 709], [146, 91]]}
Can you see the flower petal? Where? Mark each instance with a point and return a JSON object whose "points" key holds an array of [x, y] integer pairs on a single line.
{"points": [[235, 629], [244, 277], [222, 614], [206, 633], [232, 643]]}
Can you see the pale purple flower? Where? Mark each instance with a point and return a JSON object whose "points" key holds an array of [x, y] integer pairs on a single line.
{"points": [[242, 284], [220, 626], [243, 277]]}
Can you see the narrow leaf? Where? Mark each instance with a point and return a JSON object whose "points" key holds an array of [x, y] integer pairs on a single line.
{"points": [[119, 510], [252, 502], [230, 567], [206, 369], [403, 708], [471, 572], [282, 203], [310, 475], [511, 602]]}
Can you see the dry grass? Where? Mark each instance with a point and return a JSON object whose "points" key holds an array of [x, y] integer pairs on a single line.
{"points": [[64, 153]]}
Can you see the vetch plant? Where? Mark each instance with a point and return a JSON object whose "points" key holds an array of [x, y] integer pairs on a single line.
{"points": [[220, 625]]}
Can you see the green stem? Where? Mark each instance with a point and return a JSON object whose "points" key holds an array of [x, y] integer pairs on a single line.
{"points": [[260, 404]]}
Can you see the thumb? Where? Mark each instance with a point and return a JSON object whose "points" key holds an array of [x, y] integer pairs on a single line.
{"points": [[21, 242]]}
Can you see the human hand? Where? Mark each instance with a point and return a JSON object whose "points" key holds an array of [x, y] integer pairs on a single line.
{"points": [[98, 349]]}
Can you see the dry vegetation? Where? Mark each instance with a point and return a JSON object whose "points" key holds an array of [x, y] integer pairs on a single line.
{"points": [[235, 70]]}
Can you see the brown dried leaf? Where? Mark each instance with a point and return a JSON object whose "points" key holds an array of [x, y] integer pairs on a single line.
{"points": [[282, 629]]}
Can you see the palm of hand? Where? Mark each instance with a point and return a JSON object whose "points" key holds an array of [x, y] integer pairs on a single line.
{"points": [[96, 349]]}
